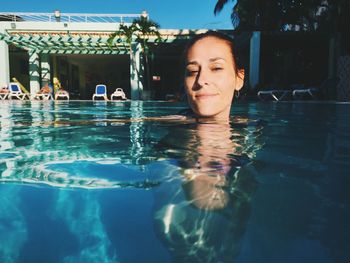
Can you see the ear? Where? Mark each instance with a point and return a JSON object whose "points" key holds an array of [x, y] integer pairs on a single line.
{"points": [[239, 79]]}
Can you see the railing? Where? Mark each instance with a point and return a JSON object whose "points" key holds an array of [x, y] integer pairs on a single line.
{"points": [[57, 16]]}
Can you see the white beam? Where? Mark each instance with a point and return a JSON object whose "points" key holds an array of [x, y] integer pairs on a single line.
{"points": [[4, 64], [45, 66], [34, 76], [136, 72]]}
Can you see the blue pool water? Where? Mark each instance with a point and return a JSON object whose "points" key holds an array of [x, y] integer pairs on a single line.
{"points": [[107, 182]]}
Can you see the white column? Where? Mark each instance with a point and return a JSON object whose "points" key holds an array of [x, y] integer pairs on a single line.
{"points": [[4, 64], [34, 76], [254, 62], [45, 66], [136, 72]]}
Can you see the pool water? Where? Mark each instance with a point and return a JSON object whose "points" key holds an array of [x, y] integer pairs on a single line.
{"points": [[113, 182]]}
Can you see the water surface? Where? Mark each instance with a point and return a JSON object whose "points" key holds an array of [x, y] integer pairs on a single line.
{"points": [[99, 182]]}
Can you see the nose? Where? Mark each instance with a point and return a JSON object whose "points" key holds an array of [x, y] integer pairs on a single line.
{"points": [[202, 78]]}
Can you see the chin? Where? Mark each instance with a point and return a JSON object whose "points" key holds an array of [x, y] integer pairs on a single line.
{"points": [[206, 113], [206, 110], [211, 113]]}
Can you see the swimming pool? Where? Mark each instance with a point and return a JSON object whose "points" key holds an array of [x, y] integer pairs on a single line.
{"points": [[97, 182]]}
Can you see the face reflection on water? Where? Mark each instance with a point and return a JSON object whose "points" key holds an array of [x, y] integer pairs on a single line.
{"points": [[206, 218], [206, 179]]}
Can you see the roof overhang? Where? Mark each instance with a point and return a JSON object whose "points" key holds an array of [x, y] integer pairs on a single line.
{"points": [[58, 42], [78, 38]]}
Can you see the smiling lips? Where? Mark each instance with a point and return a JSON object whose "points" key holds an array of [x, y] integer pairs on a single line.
{"points": [[203, 96]]}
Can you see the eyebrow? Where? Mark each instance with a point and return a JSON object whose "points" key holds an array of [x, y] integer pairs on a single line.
{"points": [[216, 59], [211, 60], [192, 63]]}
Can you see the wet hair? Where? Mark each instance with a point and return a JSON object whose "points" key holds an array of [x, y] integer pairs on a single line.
{"points": [[218, 35]]}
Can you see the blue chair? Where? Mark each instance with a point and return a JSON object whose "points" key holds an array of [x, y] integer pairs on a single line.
{"points": [[15, 91], [100, 91]]}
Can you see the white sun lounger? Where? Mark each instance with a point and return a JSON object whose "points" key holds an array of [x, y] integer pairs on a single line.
{"points": [[312, 92], [119, 94], [4, 94], [43, 96], [275, 94], [60, 94]]}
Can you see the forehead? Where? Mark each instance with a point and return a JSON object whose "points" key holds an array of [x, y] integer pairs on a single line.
{"points": [[210, 47]]}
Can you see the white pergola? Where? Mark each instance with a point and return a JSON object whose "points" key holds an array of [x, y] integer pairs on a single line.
{"points": [[41, 34]]}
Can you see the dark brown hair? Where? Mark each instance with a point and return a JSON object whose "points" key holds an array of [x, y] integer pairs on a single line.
{"points": [[217, 35]]}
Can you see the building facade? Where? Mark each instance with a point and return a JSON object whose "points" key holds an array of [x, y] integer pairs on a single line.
{"points": [[35, 48]]}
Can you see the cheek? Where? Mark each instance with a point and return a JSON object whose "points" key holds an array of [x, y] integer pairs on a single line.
{"points": [[188, 85], [227, 86]]}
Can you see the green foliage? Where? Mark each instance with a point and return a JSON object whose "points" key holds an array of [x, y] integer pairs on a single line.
{"points": [[306, 15], [138, 31], [145, 28], [124, 33]]}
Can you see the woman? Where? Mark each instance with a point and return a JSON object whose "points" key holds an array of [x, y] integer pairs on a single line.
{"points": [[204, 220], [212, 76]]}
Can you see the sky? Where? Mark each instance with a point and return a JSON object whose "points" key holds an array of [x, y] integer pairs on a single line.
{"points": [[178, 14]]}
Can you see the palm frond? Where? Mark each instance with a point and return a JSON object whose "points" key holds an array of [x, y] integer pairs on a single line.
{"points": [[219, 6], [111, 39]]}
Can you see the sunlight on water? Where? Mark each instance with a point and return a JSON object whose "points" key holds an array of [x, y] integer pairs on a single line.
{"points": [[106, 182], [94, 243], [13, 227]]}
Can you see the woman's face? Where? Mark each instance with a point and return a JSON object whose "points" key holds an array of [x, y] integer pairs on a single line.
{"points": [[210, 78]]}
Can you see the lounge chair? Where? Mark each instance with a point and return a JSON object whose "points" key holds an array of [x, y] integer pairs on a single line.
{"points": [[310, 92], [15, 91], [43, 96], [100, 92], [4, 92], [45, 93], [61, 93], [275, 94], [119, 94], [316, 92]]}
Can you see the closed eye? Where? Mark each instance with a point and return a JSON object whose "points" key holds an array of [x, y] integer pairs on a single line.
{"points": [[216, 67], [191, 72]]}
